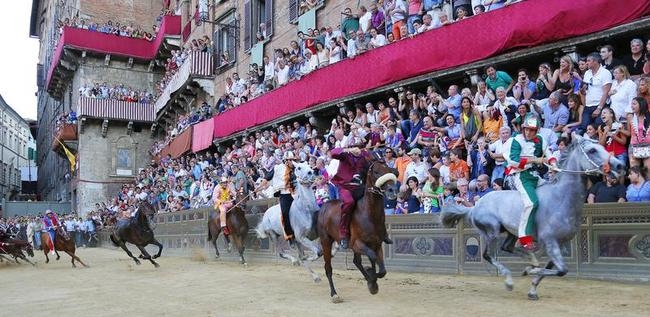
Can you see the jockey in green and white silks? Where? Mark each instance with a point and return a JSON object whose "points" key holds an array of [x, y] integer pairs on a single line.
{"points": [[526, 150]]}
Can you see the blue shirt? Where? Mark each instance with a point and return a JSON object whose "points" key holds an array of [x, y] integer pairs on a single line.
{"points": [[455, 111], [638, 194]]}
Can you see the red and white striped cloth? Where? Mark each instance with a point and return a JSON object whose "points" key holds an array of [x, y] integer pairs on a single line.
{"points": [[116, 109], [201, 64]]}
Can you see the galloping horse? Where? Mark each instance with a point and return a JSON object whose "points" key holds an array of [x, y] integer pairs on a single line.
{"points": [[301, 216], [367, 226], [15, 249], [238, 226], [139, 232], [62, 242], [558, 217]]}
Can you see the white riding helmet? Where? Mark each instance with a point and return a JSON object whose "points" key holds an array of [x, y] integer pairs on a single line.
{"points": [[224, 179]]}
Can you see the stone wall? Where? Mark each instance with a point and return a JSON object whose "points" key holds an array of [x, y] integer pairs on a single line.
{"points": [[105, 163]]}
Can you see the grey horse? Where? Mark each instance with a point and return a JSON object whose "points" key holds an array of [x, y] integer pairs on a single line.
{"points": [[558, 216], [302, 218]]}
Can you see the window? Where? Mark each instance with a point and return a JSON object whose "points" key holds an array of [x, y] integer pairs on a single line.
{"points": [[300, 7], [225, 40], [258, 19]]}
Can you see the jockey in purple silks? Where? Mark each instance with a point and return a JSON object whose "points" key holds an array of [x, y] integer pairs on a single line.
{"points": [[50, 224]]}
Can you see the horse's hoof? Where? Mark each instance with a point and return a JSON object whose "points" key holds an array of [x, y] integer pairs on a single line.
{"points": [[336, 299], [373, 287], [155, 256], [509, 286], [381, 274], [216, 256], [245, 265], [533, 296], [137, 262], [317, 279], [156, 265]]}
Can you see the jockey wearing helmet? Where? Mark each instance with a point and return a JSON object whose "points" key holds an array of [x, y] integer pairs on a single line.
{"points": [[51, 224], [223, 194], [347, 179], [527, 150], [282, 182]]}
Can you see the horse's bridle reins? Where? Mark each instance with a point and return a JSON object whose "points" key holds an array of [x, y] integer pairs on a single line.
{"points": [[374, 189], [592, 171]]}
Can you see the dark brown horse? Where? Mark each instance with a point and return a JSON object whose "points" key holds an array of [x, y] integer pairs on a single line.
{"points": [[367, 226], [15, 248], [62, 242], [238, 227], [139, 232]]}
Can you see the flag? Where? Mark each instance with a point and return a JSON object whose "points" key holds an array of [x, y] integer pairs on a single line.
{"points": [[71, 158]]}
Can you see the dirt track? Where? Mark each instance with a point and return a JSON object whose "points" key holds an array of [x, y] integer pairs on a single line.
{"points": [[115, 286]]}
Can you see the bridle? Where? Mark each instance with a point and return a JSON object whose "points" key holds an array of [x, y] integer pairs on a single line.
{"points": [[591, 171], [372, 188]]}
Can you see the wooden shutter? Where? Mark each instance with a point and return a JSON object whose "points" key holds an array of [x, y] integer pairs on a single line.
{"points": [[268, 14], [294, 11], [216, 48], [232, 44], [248, 23]]}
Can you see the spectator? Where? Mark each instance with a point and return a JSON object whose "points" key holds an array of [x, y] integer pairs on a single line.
{"points": [[413, 193], [482, 187], [563, 79], [378, 20], [417, 167], [458, 168], [377, 40], [607, 58], [575, 115], [639, 188], [496, 79], [397, 11], [638, 124], [596, 91], [463, 196], [622, 92], [555, 114], [496, 150], [350, 21], [607, 191], [524, 88], [635, 61], [432, 192], [612, 135]]}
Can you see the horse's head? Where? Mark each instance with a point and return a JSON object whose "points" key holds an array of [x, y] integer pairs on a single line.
{"points": [[587, 155], [383, 178], [303, 172], [145, 213]]}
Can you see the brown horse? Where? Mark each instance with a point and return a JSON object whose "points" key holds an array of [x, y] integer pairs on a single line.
{"points": [[367, 226], [138, 231], [238, 227], [15, 249], [62, 242]]}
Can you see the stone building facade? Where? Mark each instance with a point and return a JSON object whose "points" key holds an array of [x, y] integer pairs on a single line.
{"points": [[15, 139]]}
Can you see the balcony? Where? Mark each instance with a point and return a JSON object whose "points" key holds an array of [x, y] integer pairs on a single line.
{"points": [[196, 72], [65, 60], [110, 109], [66, 134], [433, 52]]}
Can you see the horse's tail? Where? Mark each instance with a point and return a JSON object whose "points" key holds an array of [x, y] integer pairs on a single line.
{"points": [[452, 213], [114, 241]]}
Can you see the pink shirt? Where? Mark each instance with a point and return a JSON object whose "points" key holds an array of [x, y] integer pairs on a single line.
{"points": [[414, 7]]}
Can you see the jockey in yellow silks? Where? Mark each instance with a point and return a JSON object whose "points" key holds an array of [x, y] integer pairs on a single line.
{"points": [[223, 195], [527, 150]]}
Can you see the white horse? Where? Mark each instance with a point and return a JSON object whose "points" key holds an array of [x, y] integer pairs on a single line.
{"points": [[558, 216], [302, 218]]}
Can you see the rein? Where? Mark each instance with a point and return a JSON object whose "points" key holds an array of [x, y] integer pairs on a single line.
{"points": [[591, 171]]}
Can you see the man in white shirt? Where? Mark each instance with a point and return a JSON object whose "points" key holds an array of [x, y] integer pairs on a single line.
{"points": [[496, 150], [417, 167], [351, 46], [428, 24], [597, 82], [364, 19], [282, 73], [269, 69], [377, 40]]}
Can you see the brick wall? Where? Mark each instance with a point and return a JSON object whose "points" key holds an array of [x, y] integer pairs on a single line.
{"points": [[137, 12]]}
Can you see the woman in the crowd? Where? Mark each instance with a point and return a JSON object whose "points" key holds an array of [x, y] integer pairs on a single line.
{"points": [[563, 79], [323, 55], [622, 92], [639, 188], [575, 115], [638, 124], [413, 193], [432, 191], [613, 135], [470, 121], [544, 82]]}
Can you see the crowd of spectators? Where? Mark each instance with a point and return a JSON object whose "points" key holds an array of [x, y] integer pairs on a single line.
{"points": [[178, 57], [29, 228], [446, 145], [116, 92], [65, 118]]}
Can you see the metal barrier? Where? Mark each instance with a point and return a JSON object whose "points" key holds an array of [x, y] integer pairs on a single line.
{"points": [[613, 242]]}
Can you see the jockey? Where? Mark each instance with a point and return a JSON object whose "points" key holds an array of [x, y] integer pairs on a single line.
{"points": [[527, 150], [347, 179], [283, 185], [50, 224], [224, 194]]}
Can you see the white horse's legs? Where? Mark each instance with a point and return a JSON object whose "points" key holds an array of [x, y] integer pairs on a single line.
{"points": [[532, 292]]}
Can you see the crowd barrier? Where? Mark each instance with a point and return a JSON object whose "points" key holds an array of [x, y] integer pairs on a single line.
{"points": [[613, 242]]}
